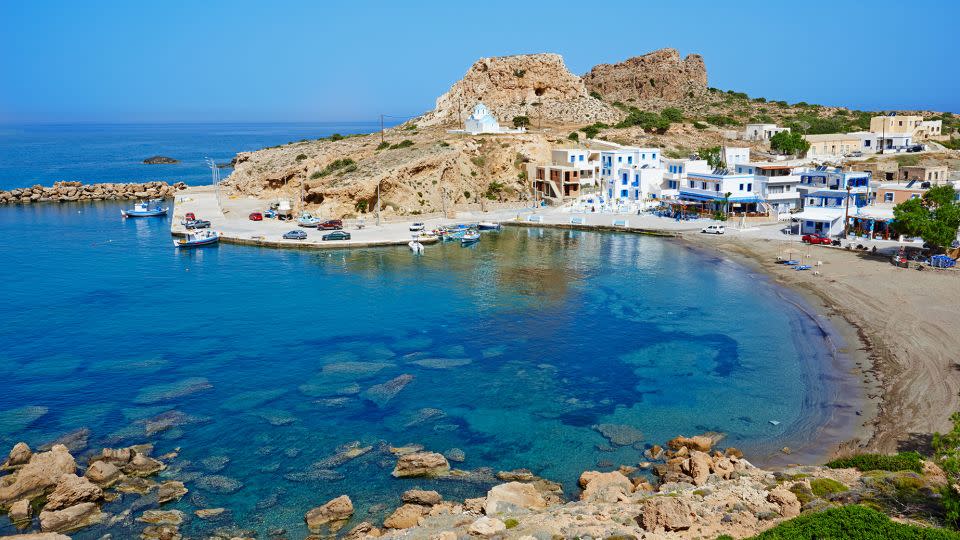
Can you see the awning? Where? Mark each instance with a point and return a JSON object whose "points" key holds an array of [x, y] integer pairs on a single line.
{"points": [[718, 198], [827, 215]]}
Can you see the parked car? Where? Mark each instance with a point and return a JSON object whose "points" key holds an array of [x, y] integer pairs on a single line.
{"points": [[816, 239], [189, 216], [295, 234], [271, 213], [337, 235], [416, 227], [714, 229], [256, 216], [331, 225], [915, 148], [855, 153], [197, 224]]}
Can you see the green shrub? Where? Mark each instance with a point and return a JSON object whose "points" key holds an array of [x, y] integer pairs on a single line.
{"points": [[521, 121], [336, 137], [574, 136], [383, 146], [672, 114], [824, 487], [316, 174], [494, 190], [466, 194], [341, 165], [301, 157], [411, 127], [479, 161], [444, 144], [952, 144], [361, 206], [406, 143], [854, 521], [720, 120], [593, 130], [510, 523], [596, 95], [700, 125], [904, 461]]}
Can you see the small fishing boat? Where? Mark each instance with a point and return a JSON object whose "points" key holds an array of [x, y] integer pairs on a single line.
{"points": [[198, 239], [470, 237], [488, 226], [415, 246], [143, 209]]}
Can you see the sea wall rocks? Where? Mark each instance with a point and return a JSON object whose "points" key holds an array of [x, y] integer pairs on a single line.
{"points": [[660, 74], [78, 191]]}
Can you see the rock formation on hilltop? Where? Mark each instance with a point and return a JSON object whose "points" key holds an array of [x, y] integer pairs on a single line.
{"points": [[538, 86], [660, 74]]}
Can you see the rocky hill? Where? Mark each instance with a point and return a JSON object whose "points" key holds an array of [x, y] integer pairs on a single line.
{"points": [[538, 86], [661, 74]]}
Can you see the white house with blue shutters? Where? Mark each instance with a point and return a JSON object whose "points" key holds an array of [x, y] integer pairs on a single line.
{"points": [[631, 174], [675, 173], [828, 195], [712, 188]]}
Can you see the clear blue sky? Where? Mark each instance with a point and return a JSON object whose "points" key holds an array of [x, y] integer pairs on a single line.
{"points": [[214, 60]]}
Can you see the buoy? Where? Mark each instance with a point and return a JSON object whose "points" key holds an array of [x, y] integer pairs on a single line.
{"points": [[775, 422]]}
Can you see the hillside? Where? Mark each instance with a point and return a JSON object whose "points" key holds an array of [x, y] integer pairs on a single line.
{"points": [[657, 99]]}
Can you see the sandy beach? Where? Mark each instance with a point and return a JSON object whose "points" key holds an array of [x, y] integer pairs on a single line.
{"points": [[904, 320]]}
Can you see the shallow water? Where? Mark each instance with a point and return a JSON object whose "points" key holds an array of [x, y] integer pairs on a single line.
{"points": [[272, 360]]}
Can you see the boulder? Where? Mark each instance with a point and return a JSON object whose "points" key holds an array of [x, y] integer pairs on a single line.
{"points": [[786, 500], [607, 487], [421, 497], [41, 473], [487, 526], [405, 517], [209, 513], [20, 512], [665, 514], [362, 531], [141, 465], [103, 473], [70, 518], [655, 452], [474, 505], [933, 474], [37, 536], [334, 513], [723, 467], [72, 489], [116, 456], [421, 464], [19, 455], [697, 466], [512, 497], [171, 490], [702, 443]]}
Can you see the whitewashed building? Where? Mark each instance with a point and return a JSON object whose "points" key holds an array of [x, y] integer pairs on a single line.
{"points": [[733, 156], [675, 173], [776, 184], [762, 132], [826, 198], [481, 121], [631, 174], [712, 188]]}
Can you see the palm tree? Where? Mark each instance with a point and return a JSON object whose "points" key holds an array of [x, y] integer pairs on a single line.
{"points": [[726, 204]]}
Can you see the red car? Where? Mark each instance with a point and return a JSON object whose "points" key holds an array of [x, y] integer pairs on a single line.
{"points": [[256, 216], [331, 225], [189, 216], [816, 239]]}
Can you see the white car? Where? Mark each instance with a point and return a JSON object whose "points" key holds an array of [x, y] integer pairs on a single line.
{"points": [[416, 227], [713, 229]]}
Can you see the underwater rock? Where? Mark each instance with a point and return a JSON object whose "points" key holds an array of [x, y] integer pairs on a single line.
{"points": [[333, 402], [423, 416], [251, 400], [315, 473], [619, 434], [215, 463], [344, 454], [381, 394], [170, 391], [209, 513], [171, 490], [161, 517], [216, 483], [334, 514], [276, 417], [170, 419], [75, 441], [456, 455], [40, 474], [355, 368], [421, 464], [16, 420], [442, 363], [404, 450]]}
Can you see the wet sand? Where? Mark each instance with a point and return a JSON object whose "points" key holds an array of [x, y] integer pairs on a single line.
{"points": [[904, 322]]}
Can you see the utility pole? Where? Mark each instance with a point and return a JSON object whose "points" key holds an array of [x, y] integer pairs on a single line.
{"points": [[846, 214], [378, 204]]}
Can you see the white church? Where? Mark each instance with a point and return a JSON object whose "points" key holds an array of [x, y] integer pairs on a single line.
{"points": [[482, 121]]}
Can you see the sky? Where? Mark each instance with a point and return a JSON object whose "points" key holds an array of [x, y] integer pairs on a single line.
{"points": [[290, 61]]}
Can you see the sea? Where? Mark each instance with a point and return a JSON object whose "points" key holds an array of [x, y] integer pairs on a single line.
{"points": [[555, 351]]}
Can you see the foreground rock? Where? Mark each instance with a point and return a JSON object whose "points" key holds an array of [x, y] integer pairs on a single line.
{"points": [[421, 464], [40, 474], [72, 489], [70, 518], [77, 191], [513, 497], [333, 515]]}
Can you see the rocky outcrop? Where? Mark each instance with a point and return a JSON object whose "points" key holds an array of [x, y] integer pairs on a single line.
{"points": [[72, 489], [665, 514], [421, 497], [70, 518], [160, 160], [19, 455], [538, 86], [605, 487], [333, 514], [661, 74], [78, 191], [512, 497], [103, 473], [39, 475], [421, 464], [405, 517]]}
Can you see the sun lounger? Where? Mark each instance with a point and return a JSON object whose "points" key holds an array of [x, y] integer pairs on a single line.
{"points": [[535, 219], [803, 267], [621, 223], [577, 220]]}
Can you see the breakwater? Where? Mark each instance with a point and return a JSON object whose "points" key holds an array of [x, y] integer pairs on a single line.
{"points": [[78, 191]]}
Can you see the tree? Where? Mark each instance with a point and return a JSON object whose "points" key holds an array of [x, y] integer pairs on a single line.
{"points": [[789, 142], [712, 155], [935, 217], [521, 121], [574, 136]]}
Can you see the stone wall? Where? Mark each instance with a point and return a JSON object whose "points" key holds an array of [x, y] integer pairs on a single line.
{"points": [[77, 191]]}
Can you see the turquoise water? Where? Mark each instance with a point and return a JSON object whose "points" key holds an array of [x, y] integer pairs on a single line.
{"points": [[517, 348], [92, 153]]}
